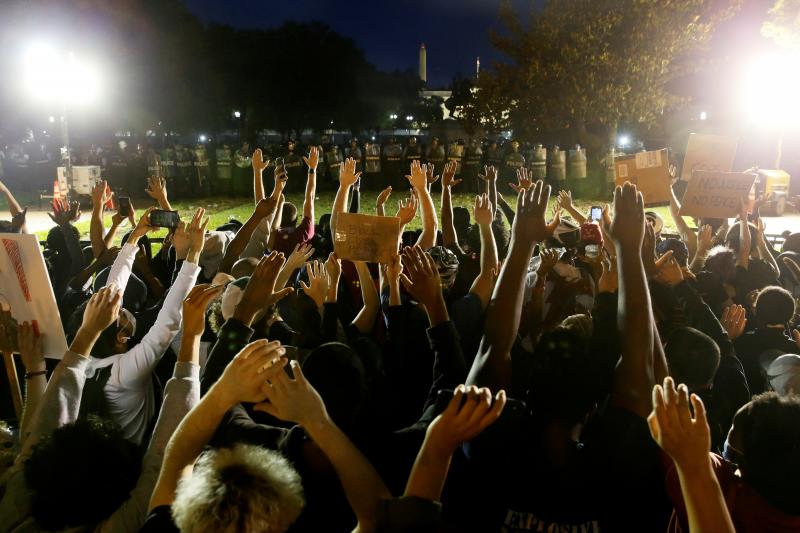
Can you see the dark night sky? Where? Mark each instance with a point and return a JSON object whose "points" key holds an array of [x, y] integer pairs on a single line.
{"points": [[455, 32]]}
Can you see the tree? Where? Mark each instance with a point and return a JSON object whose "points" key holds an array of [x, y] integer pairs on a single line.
{"points": [[783, 24], [586, 66]]}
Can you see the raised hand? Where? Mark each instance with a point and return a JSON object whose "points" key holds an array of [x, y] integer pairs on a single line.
{"points": [[734, 320], [142, 227], [705, 238], [157, 189], [668, 271], [420, 276], [431, 179], [196, 231], [565, 199], [523, 181], [107, 257], [65, 212], [247, 375], [102, 310], [313, 158], [259, 163], [18, 220], [449, 175], [483, 211], [489, 174], [608, 281], [30, 347], [383, 196], [628, 227], [266, 206], [293, 400], [419, 175], [194, 308], [298, 257], [333, 268], [99, 197], [348, 174], [549, 260], [260, 293], [407, 210], [685, 438], [529, 224], [317, 286], [393, 269], [470, 411]]}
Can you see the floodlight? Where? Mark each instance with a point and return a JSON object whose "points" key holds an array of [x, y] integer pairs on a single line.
{"points": [[203, 138], [55, 76], [624, 140], [237, 114], [703, 115], [768, 94]]}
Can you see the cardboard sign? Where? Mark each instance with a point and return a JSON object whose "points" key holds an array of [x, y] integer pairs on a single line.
{"points": [[716, 194], [366, 237], [26, 294], [649, 171], [708, 152]]}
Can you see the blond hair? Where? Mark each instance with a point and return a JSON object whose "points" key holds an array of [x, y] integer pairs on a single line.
{"points": [[245, 488]]}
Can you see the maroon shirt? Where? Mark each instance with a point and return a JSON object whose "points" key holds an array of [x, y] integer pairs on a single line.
{"points": [[288, 238]]}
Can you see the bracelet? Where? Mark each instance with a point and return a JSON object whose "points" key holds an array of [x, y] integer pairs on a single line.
{"points": [[29, 375]]}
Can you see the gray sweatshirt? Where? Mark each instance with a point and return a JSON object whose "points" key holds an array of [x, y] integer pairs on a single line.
{"points": [[60, 406]]}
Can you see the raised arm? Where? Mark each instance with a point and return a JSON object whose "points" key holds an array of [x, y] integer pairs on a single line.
{"points": [[13, 206], [449, 234], [30, 351], [96, 229], [490, 179], [259, 164], [380, 210], [484, 283], [687, 439], [688, 236], [264, 210], [565, 201], [296, 400], [347, 177], [311, 183], [365, 319], [743, 257], [634, 376], [470, 411], [157, 190], [492, 365], [242, 381], [419, 181]]}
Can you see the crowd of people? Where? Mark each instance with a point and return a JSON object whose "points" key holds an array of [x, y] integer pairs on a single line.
{"points": [[221, 168], [513, 368]]}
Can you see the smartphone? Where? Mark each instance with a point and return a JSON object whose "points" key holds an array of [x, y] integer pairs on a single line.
{"points": [[164, 219], [596, 212], [125, 206]]}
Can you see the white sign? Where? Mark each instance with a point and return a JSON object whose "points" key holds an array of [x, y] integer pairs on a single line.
{"points": [[26, 294]]}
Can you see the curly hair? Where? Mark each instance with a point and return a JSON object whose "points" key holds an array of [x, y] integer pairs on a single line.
{"points": [[244, 488], [81, 473]]}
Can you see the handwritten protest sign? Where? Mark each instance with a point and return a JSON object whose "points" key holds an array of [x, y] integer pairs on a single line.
{"points": [[649, 171], [716, 194], [26, 295], [366, 237], [708, 152]]}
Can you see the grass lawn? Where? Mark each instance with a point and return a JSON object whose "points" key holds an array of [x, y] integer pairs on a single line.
{"points": [[222, 209]]}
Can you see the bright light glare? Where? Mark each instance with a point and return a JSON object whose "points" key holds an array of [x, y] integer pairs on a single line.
{"points": [[50, 75], [624, 140], [237, 114], [203, 138], [52, 119], [769, 90], [410, 117], [703, 115]]}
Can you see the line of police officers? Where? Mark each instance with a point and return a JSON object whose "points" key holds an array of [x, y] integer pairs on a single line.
{"points": [[191, 172]]}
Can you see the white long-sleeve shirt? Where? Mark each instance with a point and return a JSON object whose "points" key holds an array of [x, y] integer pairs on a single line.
{"points": [[129, 390]]}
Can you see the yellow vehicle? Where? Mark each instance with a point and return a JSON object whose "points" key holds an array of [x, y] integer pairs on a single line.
{"points": [[773, 184]]}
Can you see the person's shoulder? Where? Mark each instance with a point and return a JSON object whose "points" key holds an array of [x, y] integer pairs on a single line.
{"points": [[159, 520]]}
